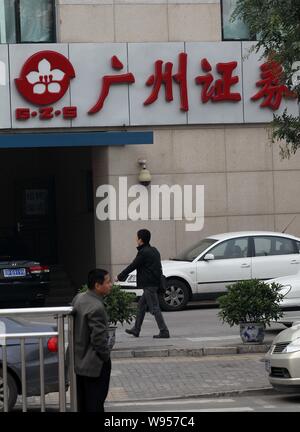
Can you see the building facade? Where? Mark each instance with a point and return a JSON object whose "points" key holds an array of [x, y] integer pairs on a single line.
{"points": [[247, 185]]}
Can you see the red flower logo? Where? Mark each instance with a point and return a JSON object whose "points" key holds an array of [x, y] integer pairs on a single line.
{"points": [[45, 77]]}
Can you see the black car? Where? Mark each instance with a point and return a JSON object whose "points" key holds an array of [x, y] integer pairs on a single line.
{"points": [[23, 282], [13, 325]]}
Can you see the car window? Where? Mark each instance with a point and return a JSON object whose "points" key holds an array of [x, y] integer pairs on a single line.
{"points": [[234, 248], [298, 246], [269, 246], [194, 251]]}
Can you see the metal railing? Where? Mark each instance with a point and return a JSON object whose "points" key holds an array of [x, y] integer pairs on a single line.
{"points": [[63, 315]]}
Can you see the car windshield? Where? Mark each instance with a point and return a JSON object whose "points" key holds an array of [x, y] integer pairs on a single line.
{"points": [[192, 252]]}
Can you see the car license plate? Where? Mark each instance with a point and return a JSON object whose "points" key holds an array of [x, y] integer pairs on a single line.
{"points": [[17, 272], [268, 366]]}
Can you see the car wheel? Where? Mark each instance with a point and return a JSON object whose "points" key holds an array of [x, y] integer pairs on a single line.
{"points": [[176, 296], [12, 392]]}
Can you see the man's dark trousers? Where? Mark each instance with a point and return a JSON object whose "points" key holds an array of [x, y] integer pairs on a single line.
{"points": [[92, 392], [149, 301]]}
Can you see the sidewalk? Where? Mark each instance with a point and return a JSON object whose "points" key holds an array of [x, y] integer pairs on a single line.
{"points": [[128, 346], [181, 377], [142, 379], [193, 333], [201, 359]]}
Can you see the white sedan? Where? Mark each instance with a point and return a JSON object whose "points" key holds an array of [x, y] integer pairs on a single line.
{"points": [[204, 270], [290, 289]]}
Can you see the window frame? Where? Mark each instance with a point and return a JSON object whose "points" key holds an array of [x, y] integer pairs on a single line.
{"points": [[249, 248], [294, 242], [17, 8], [251, 38]]}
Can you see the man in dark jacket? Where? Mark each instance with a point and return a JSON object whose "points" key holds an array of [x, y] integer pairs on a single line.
{"points": [[147, 264], [92, 355]]}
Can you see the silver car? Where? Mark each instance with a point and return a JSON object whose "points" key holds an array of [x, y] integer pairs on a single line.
{"points": [[13, 325], [283, 360]]}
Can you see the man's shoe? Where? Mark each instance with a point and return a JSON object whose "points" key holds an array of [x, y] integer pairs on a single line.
{"points": [[132, 332], [162, 335]]}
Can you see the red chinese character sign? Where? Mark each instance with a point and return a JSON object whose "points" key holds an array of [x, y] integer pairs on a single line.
{"points": [[144, 84], [163, 75], [160, 93], [215, 82], [109, 80], [272, 90], [263, 92], [221, 89]]}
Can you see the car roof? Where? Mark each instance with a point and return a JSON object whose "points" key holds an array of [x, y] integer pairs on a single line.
{"points": [[224, 236]]}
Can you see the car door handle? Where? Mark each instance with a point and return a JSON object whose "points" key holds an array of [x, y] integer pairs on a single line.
{"points": [[295, 262], [245, 265]]}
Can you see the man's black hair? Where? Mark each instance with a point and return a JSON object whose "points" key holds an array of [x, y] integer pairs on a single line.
{"points": [[144, 235], [96, 276]]}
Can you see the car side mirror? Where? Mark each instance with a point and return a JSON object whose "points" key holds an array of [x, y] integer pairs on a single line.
{"points": [[209, 257]]}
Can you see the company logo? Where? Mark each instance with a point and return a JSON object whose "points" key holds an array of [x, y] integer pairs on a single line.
{"points": [[45, 77]]}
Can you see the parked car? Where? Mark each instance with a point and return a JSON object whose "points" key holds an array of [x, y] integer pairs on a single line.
{"points": [[283, 360], [23, 282], [203, 270], [13, 325], [290, 290]]}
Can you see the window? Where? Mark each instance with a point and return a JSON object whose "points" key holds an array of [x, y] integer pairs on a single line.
{"points": [[193, 252], [266, 246], [234, 248], [236, 30], [27, 21]]}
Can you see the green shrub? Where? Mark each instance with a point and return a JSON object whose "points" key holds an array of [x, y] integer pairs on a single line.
{"points": [[119, 305], [251, 301]]}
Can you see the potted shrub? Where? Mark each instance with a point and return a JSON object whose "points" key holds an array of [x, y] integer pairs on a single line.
{"points": [[120, 308], [252, 304]]}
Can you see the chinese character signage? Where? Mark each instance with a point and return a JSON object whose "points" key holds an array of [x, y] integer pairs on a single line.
{"points": [[133, 84]]}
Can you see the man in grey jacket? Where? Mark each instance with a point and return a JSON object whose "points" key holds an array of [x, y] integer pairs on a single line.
{"points": [[92, 355]]}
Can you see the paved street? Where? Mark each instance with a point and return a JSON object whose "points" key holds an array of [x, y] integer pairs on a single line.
{"points": [[138, 382], [257, 403], [189, 383], [195, 327]]}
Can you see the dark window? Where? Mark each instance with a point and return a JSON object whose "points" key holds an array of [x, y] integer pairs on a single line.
{"points": [[27, 21], [12, 248], [236, 30], [234, 248], [266, 246], [194, 251]]}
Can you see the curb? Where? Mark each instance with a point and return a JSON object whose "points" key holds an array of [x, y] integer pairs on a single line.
{"points": [[250, 392], [188, 352], [238, 393]]}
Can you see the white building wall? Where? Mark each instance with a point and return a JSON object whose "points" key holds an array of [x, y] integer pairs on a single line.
{"points": [[247, 186]]}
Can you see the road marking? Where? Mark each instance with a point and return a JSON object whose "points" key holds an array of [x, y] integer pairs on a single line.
{"points": [[212, 338], [269, 406], [239, 409], [175, 402]]}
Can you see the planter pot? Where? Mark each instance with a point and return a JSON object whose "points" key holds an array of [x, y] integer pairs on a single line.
{"points": [[111, 337], [253, 333]]}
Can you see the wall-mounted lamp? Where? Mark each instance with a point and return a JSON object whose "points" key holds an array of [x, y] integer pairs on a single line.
{"points": [[144, 175]]}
